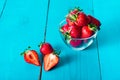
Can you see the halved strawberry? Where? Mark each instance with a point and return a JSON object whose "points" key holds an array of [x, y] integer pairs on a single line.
{"points": [[31, 56], [46, 48], [50, 61]]}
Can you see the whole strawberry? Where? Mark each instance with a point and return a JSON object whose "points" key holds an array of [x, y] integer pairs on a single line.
{"points": [[46, 48], [31, 56], [88, 31], [75, 32], [75, 43], [93, 20], [81, 19], [65, 28]]}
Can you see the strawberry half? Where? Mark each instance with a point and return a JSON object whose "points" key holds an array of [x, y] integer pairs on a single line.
{"points": [[50, 61], [31, 56], [46, 48]]}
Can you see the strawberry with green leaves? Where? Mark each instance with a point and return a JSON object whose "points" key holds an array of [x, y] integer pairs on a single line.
{"points": [[71, 17], [93, 20], [88, 31], [65, 28], [77, 17], [31, 57], [81, 19]]}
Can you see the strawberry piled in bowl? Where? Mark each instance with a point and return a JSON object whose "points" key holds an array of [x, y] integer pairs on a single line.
{"points": [[79, 30]]}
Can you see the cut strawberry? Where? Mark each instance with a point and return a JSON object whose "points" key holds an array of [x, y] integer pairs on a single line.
{"points": [[31, 56], [50, 61]]}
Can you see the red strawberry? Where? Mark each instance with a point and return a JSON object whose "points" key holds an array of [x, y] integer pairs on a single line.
{"points": [[75, 32], [88, 31], [50, 61], [75, 11], [64, 28], [94, 20], [70, 22], [31, 56], [46, 48], [81, 20], [75, 43]]}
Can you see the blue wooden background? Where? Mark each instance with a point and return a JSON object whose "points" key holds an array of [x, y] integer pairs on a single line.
{"points": [[22, 23]]}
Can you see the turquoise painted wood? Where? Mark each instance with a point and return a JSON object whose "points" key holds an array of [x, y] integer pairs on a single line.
{"points": [[74, 65], [1, 4], [108, 38], [21, 25]]}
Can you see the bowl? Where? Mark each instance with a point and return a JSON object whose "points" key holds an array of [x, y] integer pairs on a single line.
{"points": [[77, 43]]}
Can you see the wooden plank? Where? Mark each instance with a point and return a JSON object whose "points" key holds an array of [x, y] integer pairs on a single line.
{"points": [[108, 38], [2, 6], [78, 65], [22, 24]]}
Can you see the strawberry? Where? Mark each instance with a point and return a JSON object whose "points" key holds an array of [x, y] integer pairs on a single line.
{"points": [[50, 61], [46, 48], [70, 22], [94, 21], [88, 31], [75, 32], [81, 19], [64, 28], [75, 43], [74, 11], [31, 56]]}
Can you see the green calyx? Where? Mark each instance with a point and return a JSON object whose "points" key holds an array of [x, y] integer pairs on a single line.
{"points": [[93, 27], [57, 52], [67, 36], [40, 44], [25, 51], [73, 17], [76, 8]]}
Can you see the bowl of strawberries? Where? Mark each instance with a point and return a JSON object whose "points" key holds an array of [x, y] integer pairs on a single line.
{"points": [[79, 30]]}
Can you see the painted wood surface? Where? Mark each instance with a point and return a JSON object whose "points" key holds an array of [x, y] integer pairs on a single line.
{"points": [[22, 24], [108, 38]]}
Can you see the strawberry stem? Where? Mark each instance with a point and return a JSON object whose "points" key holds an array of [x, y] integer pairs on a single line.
{"points": [[72, 17], [40, 44], [25, 51], [22, 53], [57, 52], [93, 27]]}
